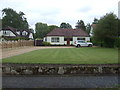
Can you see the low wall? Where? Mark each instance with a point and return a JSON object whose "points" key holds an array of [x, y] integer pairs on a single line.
{"points": [[59, 69]]}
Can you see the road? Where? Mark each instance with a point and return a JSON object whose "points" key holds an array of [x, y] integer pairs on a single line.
{"points": [[59, 81]]}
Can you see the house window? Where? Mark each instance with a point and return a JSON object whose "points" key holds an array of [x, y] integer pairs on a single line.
{"points": [[65, 39], [24, 33], [6, 32], [80, 38], [46, 39], [55, 40]]}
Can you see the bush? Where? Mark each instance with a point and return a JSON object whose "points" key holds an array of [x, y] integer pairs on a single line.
{"points": [[15, 39], [117, 43], [46, 43]]}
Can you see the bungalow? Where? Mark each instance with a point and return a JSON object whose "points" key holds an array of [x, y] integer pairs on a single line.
{"points": [[10, 32], [66, 36]]}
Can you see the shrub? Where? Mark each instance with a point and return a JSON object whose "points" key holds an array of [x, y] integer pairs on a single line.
{"points": [[15, 39], [117, 43], [46, 43]]}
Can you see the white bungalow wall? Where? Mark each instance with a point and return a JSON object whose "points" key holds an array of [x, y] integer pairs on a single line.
{"points": [[8, 33], [61, 40], [31, 36]]}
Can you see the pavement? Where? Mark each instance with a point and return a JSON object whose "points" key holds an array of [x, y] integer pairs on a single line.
{"points": [[59, 81]]}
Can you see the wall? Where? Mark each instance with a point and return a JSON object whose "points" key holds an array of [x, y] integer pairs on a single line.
{"points": [[46, 69], [8, 33], [61, 40], [31, 36]]}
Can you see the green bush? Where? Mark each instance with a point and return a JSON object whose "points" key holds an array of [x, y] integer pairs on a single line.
{"points": [[15, 39], [117, 43], [46, 43]]}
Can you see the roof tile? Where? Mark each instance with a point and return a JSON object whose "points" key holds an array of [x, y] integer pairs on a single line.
{"points": [[67, 32]]}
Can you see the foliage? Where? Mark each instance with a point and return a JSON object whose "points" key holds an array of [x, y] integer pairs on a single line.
{"points": [[118, 27], [80, 25], [13, 19], [106, 30], [51, 27], [65, 25], [46, 43], [117, 43], [41, 30], [93, 55], [95, 21], [16, 39]]}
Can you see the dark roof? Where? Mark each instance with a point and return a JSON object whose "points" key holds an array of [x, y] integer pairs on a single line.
{"points": [[11, 29], [14, 30], [68, 32]]}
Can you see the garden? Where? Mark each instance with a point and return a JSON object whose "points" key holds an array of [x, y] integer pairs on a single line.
{"points": [[84, 55]]}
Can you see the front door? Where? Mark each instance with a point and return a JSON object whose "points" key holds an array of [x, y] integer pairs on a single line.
{"points": [[68, 41]]}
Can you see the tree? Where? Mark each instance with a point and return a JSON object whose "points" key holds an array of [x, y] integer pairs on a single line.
{"points": [[88, 28], [65, 25], [106, 30], [41, 30], [80, 25], [14, 19], [51, 27], [118, 27], [95, 21]]}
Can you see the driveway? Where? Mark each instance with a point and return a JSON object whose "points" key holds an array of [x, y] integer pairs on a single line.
{"points": [[16, 51]]}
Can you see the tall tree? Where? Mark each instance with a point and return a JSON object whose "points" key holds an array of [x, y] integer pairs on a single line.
{"points": [[14, 19], [80, 25], [106, 30], [41, 30], [95, 21], [65, 25]]}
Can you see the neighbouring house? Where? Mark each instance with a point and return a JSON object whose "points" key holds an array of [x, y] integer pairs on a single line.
{"points": [[10, 32], [60, 36], [93, 26]]}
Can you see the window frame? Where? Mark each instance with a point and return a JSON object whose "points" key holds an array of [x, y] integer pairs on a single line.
{"points": [[55, 39], [81, 38]]}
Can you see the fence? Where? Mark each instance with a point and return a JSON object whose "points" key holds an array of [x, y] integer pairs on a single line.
{"points": [[14, 44]]}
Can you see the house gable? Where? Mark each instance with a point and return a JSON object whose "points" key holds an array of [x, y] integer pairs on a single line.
{"points": [[16, 32]]}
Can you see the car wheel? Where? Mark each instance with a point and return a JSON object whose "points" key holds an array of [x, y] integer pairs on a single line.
{"points": [[89, 45], [78, 45]]}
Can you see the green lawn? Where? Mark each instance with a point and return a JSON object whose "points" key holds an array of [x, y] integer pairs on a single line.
{"points": [[85, 55]]}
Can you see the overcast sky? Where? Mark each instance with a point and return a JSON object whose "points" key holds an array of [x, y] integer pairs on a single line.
{"points": [[54, 12]]}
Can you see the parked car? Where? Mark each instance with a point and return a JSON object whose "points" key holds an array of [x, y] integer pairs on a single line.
{"points": [[82, 43]]}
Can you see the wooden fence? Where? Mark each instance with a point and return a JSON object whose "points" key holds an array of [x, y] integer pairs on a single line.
{"points": [[14, 44]]}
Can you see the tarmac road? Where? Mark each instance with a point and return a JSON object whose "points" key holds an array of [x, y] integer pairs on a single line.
{"points": [[59, 81]]}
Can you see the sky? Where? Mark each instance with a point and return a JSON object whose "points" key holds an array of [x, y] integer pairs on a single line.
{"points": [[54, 12]]}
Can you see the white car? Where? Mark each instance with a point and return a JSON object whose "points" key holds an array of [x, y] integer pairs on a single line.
{"points": [[82, 43]]}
